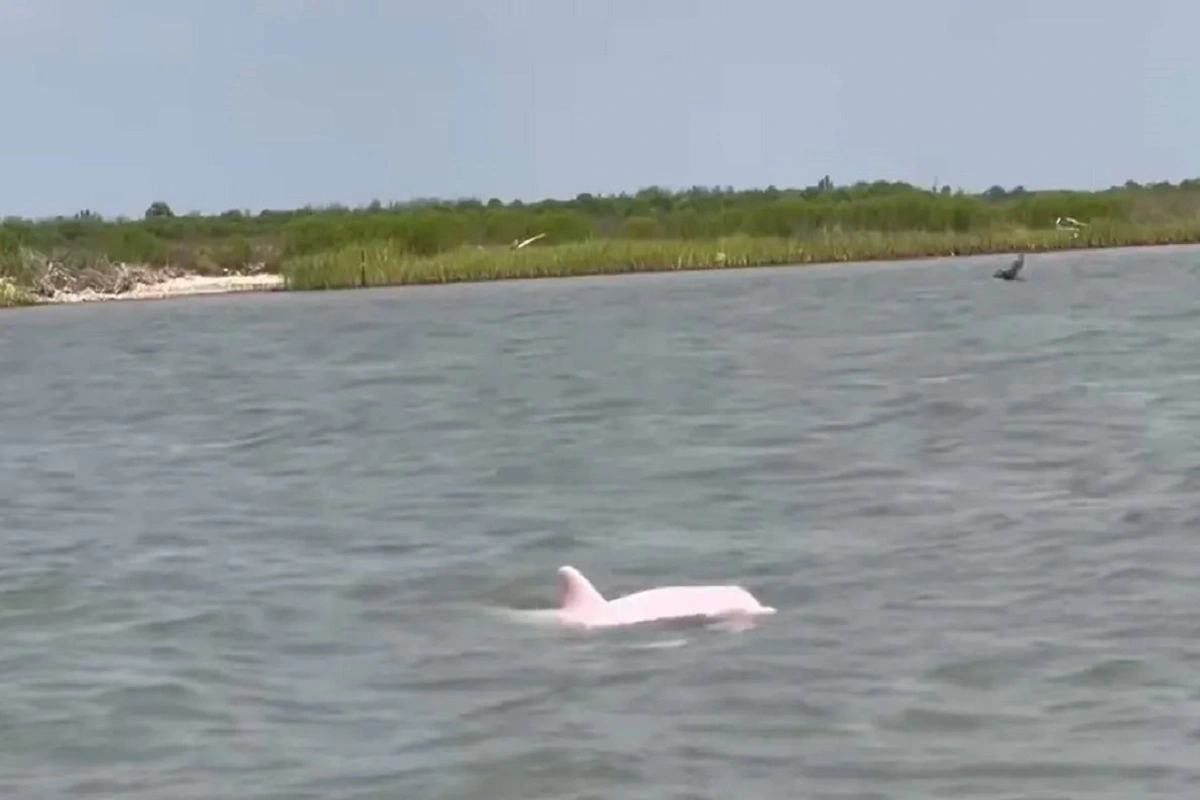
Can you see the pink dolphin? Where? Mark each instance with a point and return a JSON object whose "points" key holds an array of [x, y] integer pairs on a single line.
{"points": [[582, 606]]}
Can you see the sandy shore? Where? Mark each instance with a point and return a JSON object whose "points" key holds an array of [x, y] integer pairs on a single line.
{"points": [[184, 286]]}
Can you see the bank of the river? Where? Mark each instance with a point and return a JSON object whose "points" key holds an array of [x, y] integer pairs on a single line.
{"points": [[179, 286], [50, 284], [12, 295], [383, 263]]}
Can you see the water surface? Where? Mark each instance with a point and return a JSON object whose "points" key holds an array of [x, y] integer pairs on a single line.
{"points": [[251, 545]]}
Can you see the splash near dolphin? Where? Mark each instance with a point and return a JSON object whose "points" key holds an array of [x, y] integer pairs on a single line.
{"points": [[582, 606]]}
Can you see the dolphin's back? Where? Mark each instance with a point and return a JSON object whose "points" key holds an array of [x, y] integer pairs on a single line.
{"points": [[581, 604], [683, 601]]}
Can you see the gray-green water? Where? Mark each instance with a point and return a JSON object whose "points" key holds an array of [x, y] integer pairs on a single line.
{"points": [[252, 547]]}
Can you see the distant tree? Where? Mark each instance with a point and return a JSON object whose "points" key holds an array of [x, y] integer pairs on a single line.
{"points": [[159, 209]]}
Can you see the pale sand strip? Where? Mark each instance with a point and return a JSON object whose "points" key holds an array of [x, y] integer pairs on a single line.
{"points": [[176, 287]]}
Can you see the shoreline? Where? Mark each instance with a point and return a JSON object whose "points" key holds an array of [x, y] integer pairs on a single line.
{"points": [[167, 288], [386, 262], [180, 286], [654, 229], [175, 286]]}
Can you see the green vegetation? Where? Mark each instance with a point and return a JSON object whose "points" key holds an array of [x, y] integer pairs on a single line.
{"points": [[653, 229], [12, 296], [385, 263]]}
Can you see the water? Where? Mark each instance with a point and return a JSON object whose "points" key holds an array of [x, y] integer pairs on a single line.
{"points": [[254, 547]]}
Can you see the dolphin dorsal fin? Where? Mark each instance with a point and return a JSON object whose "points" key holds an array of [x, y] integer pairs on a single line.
{"points": [[576, 591]]}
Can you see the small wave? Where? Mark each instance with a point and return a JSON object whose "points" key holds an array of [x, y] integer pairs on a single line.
{"points": [[1007, 771], [184, 623], [541, 772], [934, 720], [542, 617], [1108, 673], [973, 673], [556, 541], [33, 599]]}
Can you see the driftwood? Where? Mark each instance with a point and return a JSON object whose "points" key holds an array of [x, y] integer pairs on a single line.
{"points": [[27, 276], [50, 278]]}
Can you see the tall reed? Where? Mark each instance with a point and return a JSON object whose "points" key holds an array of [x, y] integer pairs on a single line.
{"points": [[387, 262]]}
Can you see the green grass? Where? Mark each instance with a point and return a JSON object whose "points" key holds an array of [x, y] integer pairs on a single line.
{"points": [[386, 262]]}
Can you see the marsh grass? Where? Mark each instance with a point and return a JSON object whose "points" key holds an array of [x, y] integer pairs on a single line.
{"points": [[386, 262], [12, 296]]}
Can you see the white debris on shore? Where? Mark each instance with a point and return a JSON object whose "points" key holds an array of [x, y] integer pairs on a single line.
{"points": [[182, 286]]}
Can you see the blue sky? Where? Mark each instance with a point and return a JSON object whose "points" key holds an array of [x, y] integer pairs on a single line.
{"points": [[111, 104]]}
